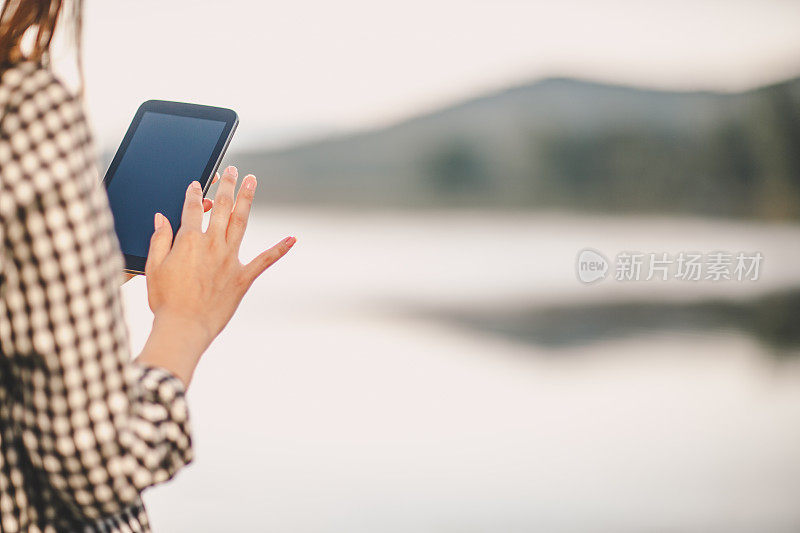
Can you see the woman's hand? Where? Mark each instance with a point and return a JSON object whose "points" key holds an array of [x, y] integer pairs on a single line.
{"points": [[195, 284], [207, 205]]}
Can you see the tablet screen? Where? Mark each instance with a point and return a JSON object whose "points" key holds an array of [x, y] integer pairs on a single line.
{"points": [[165, 154]]}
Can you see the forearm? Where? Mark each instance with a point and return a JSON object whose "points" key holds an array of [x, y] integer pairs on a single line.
{"points": [[175, 344]]}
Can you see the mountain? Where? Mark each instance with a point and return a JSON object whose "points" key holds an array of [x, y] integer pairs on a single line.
{"points": [[562, 143]]}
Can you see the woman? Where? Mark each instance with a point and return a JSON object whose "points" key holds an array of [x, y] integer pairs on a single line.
{"points": [[83, 430]]}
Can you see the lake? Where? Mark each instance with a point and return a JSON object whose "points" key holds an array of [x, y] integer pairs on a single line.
{"points": [[447, 372]]}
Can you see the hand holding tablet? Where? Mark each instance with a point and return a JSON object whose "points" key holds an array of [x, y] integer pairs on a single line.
{"points": [[156, 186]]}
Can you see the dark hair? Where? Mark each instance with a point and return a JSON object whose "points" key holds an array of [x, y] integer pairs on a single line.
{"points": [[20, 16]]}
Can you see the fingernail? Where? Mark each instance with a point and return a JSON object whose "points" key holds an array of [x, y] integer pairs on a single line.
{"points": [[289, 241], [159, 220], [232, 170], [250, 182], [195, 185]]}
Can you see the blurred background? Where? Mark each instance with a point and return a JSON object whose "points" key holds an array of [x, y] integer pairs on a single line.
{"points": [[425, 359]]}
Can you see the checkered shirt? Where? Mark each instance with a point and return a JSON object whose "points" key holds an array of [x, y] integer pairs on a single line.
{"points": [[83, 429]]}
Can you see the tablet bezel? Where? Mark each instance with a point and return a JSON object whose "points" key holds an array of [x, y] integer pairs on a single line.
{"points": [[135, 264]]}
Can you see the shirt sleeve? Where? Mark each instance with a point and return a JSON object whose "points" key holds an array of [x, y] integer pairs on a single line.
{"points": [[96, 427]]}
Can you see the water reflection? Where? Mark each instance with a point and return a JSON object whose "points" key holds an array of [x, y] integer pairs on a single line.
{"points": [[770, 319]]}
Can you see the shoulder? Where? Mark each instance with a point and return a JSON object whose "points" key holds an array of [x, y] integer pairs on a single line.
{"points": [[27, 85], [44, 138]]}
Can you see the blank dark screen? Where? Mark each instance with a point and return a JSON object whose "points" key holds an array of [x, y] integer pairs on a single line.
{"points": [[166, 153]]}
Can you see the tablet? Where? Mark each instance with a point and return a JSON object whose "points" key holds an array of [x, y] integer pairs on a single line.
{"points": [[167, 146]]}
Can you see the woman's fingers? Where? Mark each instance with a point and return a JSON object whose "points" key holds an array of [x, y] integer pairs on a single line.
{"points": [[160, 242], [192, 216], [241, 211], [223, 202], [265, 259]]}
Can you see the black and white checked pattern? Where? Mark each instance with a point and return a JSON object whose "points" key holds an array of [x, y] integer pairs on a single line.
{"points": [[83, 430]]}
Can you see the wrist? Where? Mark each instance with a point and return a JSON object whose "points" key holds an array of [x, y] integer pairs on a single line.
{"points": [[189, 330], [176, 344]]}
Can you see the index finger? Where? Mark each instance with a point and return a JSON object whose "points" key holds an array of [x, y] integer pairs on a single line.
{"points": [[192, 216]]}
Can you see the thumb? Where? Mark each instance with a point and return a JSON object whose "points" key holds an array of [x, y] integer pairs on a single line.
{"points": [[160, 242]]}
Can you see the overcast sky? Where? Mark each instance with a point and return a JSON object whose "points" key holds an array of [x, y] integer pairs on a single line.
{"points": [[295, 68]]}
